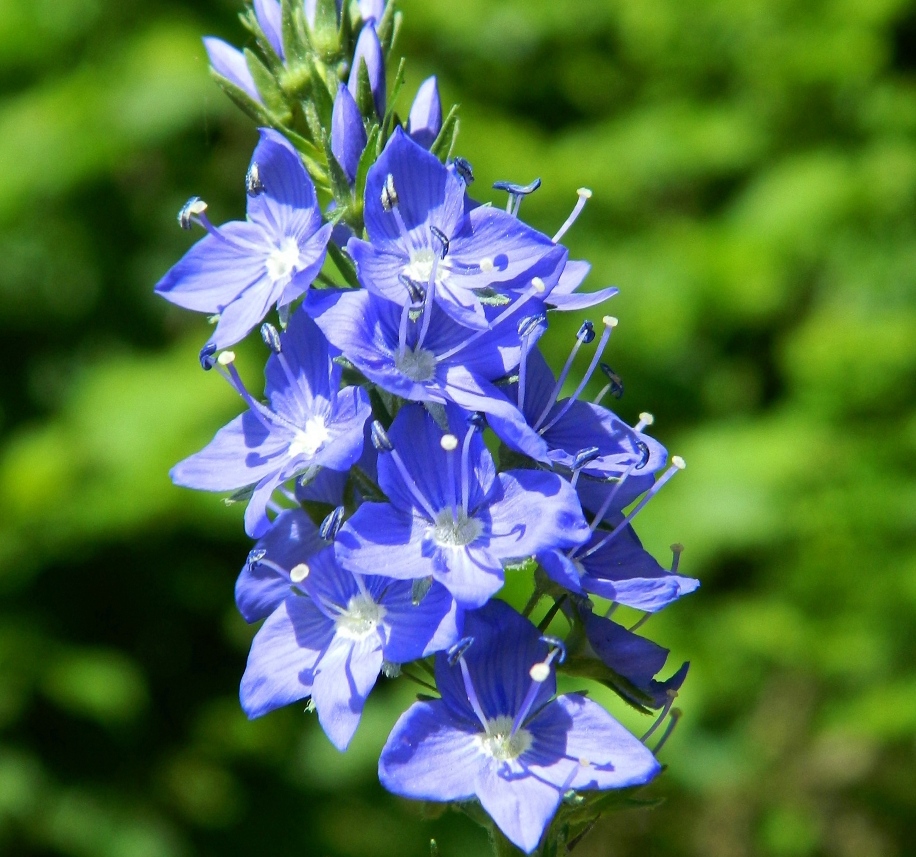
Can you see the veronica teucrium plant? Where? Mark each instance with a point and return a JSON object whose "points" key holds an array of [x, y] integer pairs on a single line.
{"points": [[413, 448]]}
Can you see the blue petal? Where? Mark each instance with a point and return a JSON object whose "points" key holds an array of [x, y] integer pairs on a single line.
{"points": [[431, 754], [371, 10], [572, 730], [230, 63], [506, 645], [242, 453], [428, 193], [270, 18], [283, 655], [256, 521], [244, 313], [536, 512], [305, 352], [561, 569], [522, 806], [345, 676], [381, 539], [379, 269], [635, 658], [472, 574], [425, 120], [348, 134], [417, 630], [369, 50], [287, 206], [214, 272], [312, 252], [292, 539]]}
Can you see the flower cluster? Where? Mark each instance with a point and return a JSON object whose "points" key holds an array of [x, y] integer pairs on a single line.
{"points": [[404, 350]]}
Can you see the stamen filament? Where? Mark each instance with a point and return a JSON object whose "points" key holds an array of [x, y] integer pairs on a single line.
{"points": [[677, 463], [471, 693], [672, 695], [466, 470], [539, 673], [560, 381], [606, 504], [675, 717], [676, 550], [584, 195], [609, 324], [645, 419], [412, 487], [450, 443]]}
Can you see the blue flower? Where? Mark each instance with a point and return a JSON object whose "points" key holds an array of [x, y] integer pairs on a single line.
{"points": [[348, 134], [498, 734], [240, 269], [421, 354], [614, 565], [451, 516], [422, 229], [635, 658], [329, 640], [308, 423], [425, 119], [556, 430], [369, 53]]}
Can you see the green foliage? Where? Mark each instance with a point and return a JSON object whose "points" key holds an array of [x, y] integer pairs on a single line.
{"points": [[754, 175]]}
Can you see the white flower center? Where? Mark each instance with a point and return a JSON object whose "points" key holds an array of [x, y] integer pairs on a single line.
{"points": [[499, 742], [310, 439], [419, 365], [282, 261], [451, 533], [360, 619], [420, 267]]}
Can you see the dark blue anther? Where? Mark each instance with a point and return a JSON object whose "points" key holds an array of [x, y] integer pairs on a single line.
{"points": [[254, 557], [271, 337], [476, 420], [644, 454], [253, 183], [530, 323], [188, 210], [586, 456], [456, 652], [419, 590], [443, 239], [614, 380], [414, 289], [206, 356], [558, 644], [517, 189], [463, 168], [586, 333], [330, 526], [380, 438]]}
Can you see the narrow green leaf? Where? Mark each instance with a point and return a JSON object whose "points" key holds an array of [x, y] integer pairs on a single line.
{"points": [[344, 264], [253, 109], [269, 88], [445, 141]]}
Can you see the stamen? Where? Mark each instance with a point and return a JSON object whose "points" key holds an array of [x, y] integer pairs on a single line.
{"points": [[402, 332], [609, 324], [299, 572], [614, 385], [677, 463], [672, 695], [331, 525], [584, 195], [537, 288], [450, 443], [463, 168], [414, 289], [456, 652], [190, 211], [255, 555], [583, 458], [645, 419], [676, 549], [517, 193], [206, 356], [602, 510], [253, 183], [645, 454], [586, 333], [382, 443], [389, 193], [642, 621], [271, 337], [539, 673], [675, 717], [526, 328], [419, 589], [456, 656], [442, 238], [380, 438], [466, 468], [226, 361]]}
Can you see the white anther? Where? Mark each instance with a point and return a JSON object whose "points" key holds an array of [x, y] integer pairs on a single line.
{"points": [[486, 265], [584, 763], [678, 462], [225, 358], [538, 285], [646, 418], [610, 321], [540, 672], [298, 573], [449, 442], [584, 192], [197, 207]]}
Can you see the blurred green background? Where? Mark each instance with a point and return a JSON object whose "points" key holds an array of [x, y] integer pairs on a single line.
{"points": [[754, 170]]}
